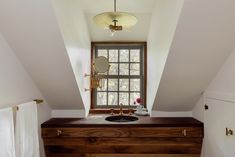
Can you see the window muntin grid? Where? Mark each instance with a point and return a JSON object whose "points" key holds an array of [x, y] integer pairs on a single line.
{"points": [[119, 83]]}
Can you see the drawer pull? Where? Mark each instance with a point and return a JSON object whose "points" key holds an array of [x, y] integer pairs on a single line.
{"points": [[184, 132], [59, 132], [229, 132]]}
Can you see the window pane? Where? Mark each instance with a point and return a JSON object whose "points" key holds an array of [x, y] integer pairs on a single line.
{"points": [[124, 55], [113, 70], [124, 69], [113, 85], [124, 98], [133, 97], [102, 52], [113, 55], [135, 69], [101, 98], [123, 84], [135, 55], [112, 98], [103, 85], [135, 85]]}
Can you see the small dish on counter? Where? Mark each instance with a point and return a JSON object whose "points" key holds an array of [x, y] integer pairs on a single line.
{"points": [[143, 113]]}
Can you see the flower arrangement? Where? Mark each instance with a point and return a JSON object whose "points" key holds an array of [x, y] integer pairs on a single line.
{"points": [[138, 101]]}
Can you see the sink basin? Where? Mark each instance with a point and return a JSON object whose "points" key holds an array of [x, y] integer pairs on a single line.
{"points": [[121, 118]]}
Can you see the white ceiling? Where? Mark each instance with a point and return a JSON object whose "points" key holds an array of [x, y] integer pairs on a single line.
{"points": [[77, 42], [140, 8], [161, 33], [133, 6]]}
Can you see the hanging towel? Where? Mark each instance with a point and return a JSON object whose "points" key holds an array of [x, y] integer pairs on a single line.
{"points": [[27, 143], [7, 145]]}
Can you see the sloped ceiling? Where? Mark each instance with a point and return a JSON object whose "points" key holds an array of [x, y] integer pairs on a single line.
{"points": [[76, 36], [31, 29], [47, 51], [204, 37], [157, 20], [161, 32]]}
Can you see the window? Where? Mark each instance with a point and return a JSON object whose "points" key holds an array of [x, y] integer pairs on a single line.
{"points": [[125, 81]]}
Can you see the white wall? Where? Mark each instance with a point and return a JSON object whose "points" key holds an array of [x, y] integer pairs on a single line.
{"points": [[220, 97], [31, 29], [204, 38], [74, 28], [162, 27], [16, 86], [198, 110], [171, 114]]}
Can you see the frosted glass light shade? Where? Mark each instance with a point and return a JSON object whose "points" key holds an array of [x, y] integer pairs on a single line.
{"points": [[126, 20]]}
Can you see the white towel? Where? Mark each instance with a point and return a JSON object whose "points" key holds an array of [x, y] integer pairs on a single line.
{"points": [[27, 143], [7, 145]]}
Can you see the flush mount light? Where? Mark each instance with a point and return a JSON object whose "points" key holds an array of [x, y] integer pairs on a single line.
{"points": [[115, 21]]}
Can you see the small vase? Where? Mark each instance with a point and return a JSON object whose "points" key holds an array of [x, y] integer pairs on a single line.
{"points": [[139, 108]]}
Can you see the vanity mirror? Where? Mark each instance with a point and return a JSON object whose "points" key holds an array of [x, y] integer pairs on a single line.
{"points": [[100, 65]]}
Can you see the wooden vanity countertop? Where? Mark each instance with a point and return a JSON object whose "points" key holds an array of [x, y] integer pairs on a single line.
{"points": [[98, 120]]}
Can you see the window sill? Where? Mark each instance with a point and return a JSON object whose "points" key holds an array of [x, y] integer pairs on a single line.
{"points": [[108, 111]]}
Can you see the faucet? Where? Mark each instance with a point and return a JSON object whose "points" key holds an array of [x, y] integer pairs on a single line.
{"points": [[121, 111]]}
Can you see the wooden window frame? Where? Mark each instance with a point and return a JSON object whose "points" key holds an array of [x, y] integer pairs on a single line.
{"points": [[94, 108]]}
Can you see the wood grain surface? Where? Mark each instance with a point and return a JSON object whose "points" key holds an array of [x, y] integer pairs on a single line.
{"points": [[161, 137]]}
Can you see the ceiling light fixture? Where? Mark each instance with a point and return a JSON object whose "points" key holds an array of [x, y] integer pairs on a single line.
{"points": [[115, 21]]}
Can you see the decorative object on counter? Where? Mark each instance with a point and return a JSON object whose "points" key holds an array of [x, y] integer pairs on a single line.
{"points": [[140, 110], [143, 113], [100, 65]]}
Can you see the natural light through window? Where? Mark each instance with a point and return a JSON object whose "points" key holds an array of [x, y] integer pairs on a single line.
{"points": [[124, 82]]}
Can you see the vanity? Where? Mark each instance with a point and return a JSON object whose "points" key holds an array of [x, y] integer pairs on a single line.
{"points": [[96, 137]]}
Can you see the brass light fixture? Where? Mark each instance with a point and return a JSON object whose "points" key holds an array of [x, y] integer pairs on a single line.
{"points": [[115, 21]]}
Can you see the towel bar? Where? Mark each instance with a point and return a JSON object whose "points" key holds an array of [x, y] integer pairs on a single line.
{"points": [[38, 101]]}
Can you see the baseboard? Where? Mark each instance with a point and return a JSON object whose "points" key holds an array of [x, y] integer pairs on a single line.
{"points": [[68, 113], [171, 114]]}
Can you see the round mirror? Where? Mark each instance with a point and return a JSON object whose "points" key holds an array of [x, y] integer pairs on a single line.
{"points": [[101, 64]]}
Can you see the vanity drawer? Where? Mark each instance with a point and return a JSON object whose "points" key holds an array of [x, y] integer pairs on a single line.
{"points": [[123, 132]]}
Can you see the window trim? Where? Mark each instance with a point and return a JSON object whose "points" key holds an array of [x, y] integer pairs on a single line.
{"points": [[94, 108]]}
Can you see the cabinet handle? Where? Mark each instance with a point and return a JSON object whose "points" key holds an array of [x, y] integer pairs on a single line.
{"points": [[184, 132], [229, 132], [59, 132]]}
